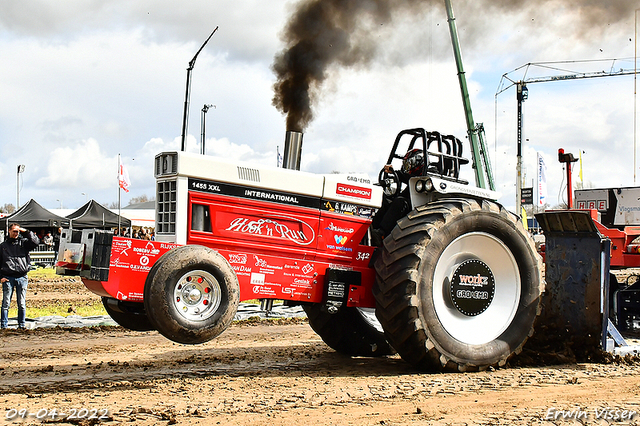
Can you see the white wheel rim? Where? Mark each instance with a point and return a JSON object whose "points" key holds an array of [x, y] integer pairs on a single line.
{"points": [[369, 316], [493, 321], [197, 295]]}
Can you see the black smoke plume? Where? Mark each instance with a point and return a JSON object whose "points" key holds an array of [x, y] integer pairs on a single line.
{"points": [[325, 33], [322, 33]]}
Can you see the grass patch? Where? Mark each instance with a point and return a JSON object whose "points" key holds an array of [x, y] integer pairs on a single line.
{"points": [[93, 309], [42, 273], [257, 302]]}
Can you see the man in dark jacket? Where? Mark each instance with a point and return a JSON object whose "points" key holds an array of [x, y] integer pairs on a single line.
{"points": [[14, 265]]}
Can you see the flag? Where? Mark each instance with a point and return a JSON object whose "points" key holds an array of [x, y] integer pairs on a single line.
{"points": [[525, 220], [123, 178], [581, 181], [542, 181]]}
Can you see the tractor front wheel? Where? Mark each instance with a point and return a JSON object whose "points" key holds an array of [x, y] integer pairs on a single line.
{"points": [[458, 285], [191, 294]]}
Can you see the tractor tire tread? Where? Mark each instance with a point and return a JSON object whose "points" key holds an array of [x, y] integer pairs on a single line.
{"points": [[397, 280]]}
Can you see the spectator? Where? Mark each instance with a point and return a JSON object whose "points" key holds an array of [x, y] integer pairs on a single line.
{"points": [[48, 241], [14, 265], [56, 241], [40, 235]]}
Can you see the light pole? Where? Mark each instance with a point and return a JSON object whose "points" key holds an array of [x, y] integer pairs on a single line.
{"points": [[85, 197], [185, 115], [203, 118], [60, 204], [522, 93], [20, 170], [635, 94]]}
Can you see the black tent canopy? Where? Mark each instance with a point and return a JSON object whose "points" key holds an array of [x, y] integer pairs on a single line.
{"points": [[95, 215], [33, 215]]}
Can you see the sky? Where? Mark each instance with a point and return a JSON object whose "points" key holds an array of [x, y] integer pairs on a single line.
{"points": [[84, 81]]}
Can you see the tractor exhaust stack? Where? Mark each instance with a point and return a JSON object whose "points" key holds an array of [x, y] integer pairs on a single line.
{"points": [[292, 150]]}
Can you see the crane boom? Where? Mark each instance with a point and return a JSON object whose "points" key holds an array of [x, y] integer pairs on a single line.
{"points": [[506, 82], [479, 155]]}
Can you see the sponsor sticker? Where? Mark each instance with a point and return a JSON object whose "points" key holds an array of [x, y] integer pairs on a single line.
{"points": [[238, 258], [353, 191], [257, 278], [472, 287], [335, 228], [304, 235]]}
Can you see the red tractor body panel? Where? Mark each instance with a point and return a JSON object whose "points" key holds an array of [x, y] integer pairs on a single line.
{"points": [[131, 260], [282, 252], [279, 243]]}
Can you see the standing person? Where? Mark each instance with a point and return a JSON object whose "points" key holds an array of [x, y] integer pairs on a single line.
{"points": [[14, 265], [48, 240], [56, 242]]}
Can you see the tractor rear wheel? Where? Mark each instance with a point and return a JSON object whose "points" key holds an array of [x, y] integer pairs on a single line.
{"points": [[458, 285], [350, 331], [127, 315], [191, 294]]}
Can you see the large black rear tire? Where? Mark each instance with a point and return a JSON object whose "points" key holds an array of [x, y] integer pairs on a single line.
{"points": [[458, 286], [127, 315], [350, 331], [191, 294]]}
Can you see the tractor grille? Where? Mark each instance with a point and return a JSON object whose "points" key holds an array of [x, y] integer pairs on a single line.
{"points": [[166, 207]]}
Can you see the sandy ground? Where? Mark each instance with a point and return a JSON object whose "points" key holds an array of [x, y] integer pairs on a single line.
{"points": [[266, 373]]}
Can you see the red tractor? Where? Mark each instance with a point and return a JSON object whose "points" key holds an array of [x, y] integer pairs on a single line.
{"points": [[456, 285]]}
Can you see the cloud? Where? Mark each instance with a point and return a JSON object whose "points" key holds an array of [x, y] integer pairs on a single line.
{"points": [[223, 148], [71, 167], [84, 82], [243, 25]]}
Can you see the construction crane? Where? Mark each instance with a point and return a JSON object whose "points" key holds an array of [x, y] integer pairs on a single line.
{"points": [[563, 73], [475, 131]]}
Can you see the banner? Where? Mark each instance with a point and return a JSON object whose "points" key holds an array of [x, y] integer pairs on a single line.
{"points": [[123, 178], [542, 181]]}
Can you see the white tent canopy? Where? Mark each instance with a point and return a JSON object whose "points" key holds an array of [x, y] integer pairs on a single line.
{"points": [[139, 217]]}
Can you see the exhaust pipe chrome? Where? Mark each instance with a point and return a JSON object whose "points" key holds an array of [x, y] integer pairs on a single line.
{"points": [[292, 150]]}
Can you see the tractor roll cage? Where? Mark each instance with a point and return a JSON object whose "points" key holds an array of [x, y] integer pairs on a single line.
{"points": [[445, 161]]}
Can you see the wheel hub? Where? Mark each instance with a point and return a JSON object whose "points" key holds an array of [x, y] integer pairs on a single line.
{"points": [[197, 295], [192, 295], [472, 287]]}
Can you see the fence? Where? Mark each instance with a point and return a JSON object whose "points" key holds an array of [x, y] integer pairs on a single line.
{"points": [[43, 256]]}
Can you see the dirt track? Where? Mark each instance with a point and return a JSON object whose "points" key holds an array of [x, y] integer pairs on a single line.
{"points": [[263, 374]]}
